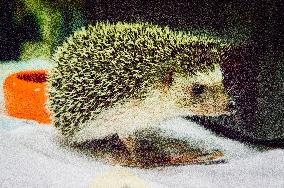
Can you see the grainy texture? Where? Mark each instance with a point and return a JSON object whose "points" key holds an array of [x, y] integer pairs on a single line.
{"points": [[124, 78], [101, 65]]}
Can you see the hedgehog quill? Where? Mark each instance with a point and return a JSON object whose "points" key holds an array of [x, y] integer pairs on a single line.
{"points": [[124, 79]]}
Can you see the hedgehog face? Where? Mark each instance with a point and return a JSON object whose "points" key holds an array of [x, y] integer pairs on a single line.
{"points": [[201, 94]]}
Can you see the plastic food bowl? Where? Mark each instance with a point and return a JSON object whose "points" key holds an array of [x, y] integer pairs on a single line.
{"points": [[25, 95]]}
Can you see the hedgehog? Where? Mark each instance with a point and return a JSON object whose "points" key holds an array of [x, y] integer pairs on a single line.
{"points": [[123, 79]]}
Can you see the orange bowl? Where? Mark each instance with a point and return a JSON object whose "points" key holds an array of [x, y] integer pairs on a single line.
{"points": [[25, 95]]}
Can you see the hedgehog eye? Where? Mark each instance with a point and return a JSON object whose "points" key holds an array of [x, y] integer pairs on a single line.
{"points": [[197, 89]]}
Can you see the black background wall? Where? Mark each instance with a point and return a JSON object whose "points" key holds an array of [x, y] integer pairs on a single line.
{"points": [[260, 20], [12, 34]]}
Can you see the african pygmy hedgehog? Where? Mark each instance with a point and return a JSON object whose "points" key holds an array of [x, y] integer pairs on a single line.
{"points": [[120, 78]]}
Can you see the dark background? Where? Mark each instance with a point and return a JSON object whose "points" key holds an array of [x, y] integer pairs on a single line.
{"points": [[254, 67], [260, 21]]}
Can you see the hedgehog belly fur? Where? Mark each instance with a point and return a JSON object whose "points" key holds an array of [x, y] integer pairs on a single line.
{"points": [[128, 118]]}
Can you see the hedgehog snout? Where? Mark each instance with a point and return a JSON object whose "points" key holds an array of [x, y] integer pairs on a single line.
{"points": [[231, 105]]}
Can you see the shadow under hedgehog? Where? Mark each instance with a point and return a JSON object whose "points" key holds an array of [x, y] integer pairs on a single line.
{"points": [[114, 83]]}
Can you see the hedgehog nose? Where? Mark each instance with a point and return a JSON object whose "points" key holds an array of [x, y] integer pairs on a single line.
{"points": [[231, 105]]}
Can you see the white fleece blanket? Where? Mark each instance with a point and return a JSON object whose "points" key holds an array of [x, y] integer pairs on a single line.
{"points": [[30, 157]]}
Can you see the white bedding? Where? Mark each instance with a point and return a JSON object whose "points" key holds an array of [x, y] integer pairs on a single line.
{"points": [[30, 157]]}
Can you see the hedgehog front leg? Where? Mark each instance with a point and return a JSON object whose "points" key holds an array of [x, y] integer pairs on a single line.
{"points": [[127, 156], [131, 158], [142, 152], [129, 143], [138, 153], [149, 149]]}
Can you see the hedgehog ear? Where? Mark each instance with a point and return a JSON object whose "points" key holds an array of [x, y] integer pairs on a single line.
{"points": [[168, 79]]}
